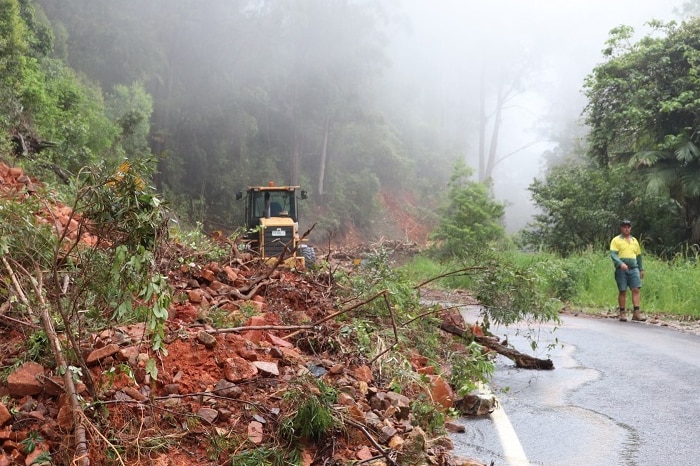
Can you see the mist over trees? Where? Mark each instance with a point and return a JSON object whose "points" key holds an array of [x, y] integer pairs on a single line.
{"points": [[249, 92], [341, 98]]}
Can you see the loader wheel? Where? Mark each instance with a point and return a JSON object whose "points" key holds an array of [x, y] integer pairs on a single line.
{"points": [[309, 255]]}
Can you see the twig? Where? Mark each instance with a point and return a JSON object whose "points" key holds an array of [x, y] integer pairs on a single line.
{"points": [[448, 274], [432, 311], [343, 311], [372, 441]]}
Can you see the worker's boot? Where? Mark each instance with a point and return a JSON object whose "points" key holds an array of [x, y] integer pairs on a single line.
{"points": [[622, 316], [637, 315]]}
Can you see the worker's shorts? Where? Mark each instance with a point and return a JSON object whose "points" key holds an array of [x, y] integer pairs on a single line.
{"points": [[629, 278]]}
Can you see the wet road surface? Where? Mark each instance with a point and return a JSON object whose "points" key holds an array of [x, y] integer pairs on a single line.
{"points": [[621, 393]]}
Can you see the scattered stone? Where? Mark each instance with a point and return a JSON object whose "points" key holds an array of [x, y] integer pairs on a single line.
{"points": [[129, 354], [4, 414], [441, 392], [208, 415], [387, 433], [171, 389], [413, 450], [195, 296], [476, 405], [26, 380], [364, 454], [395, 442], [228, 389], [237, 369], [135, 394], [344, 399], [363, 374], [102, 353], [317, 370], [337, 369], [277, 341], [207, 339], [65, 418], [255, 432], [268, 369], [455, 428]]}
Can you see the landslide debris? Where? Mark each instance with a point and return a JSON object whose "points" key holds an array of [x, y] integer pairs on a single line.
{"points": [[249, 353]]}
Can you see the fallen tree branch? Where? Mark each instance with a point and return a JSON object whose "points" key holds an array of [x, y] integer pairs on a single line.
{"points": [[80, 457], [521, 360]]}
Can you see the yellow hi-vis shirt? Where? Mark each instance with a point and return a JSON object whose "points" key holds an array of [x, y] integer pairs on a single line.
{"points": [[626, 251]]}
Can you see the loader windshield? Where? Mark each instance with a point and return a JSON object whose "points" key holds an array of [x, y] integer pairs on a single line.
{"points": [[273, 204]]}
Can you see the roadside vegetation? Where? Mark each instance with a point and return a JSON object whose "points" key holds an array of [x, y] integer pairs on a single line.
{"points": [[583, 281]]}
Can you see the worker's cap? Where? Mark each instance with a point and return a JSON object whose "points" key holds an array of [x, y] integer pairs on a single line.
{"points": [[625, 222]]}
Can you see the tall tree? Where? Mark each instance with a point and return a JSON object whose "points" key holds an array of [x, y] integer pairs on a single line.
{"points": [[644, 110]]}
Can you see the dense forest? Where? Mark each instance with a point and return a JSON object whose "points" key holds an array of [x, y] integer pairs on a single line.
{"points": [[213, 99]]}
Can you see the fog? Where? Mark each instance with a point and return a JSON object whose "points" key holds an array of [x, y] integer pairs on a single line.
{"points": [[440, 48]]}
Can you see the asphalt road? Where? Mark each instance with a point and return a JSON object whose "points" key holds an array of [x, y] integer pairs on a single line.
{"points": [[621, 393]]}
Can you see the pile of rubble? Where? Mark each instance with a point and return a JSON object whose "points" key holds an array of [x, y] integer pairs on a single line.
{"points": [[231, 381], [238, 337]]}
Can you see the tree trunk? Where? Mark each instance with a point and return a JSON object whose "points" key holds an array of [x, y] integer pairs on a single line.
{"points": [[521, 360], [324, 155], [495, 133], [483, 119]]}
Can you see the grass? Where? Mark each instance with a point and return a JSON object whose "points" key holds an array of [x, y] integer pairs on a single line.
{"points": [[585, 282]]}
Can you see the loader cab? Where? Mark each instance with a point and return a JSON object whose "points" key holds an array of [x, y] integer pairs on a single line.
{"points": [[271, 226], [264, 202]]}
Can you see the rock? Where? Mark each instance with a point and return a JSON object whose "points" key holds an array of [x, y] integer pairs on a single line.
{"points": [[395, 442], [237, 369], [387, 433], [135, 394], [65, 418], [345, 400], [208, 415], [363, 374], [102, 353], [36, 453], [364, 453], [227, 389], [207, 339], [255, 432], [268, 369], [336, 369], [26, 380], [195, 296], [128, 354], [455, 428], [4, 414], [441, 392], [476, 405], [171, 389], [277, 341], [231, 274], [380, 402], [255, 336], [413, 450]]}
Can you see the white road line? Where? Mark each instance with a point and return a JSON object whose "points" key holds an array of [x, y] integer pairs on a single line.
{"points": [[512, 449], [510, 444]]}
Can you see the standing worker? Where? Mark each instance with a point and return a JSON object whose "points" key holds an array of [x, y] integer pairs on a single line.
{"points": [[626, 254]]}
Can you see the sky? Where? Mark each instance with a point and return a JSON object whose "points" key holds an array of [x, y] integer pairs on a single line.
{"points": [[441, 40]]}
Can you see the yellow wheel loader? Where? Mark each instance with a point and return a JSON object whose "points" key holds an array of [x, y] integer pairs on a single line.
{"points": [[272, 225]]}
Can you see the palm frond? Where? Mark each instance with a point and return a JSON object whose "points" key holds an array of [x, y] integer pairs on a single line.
{"points": [[687, 152], [646, 158]]}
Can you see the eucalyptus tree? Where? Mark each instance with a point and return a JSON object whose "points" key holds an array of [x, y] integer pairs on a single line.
{"points": [[644, 111]]}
